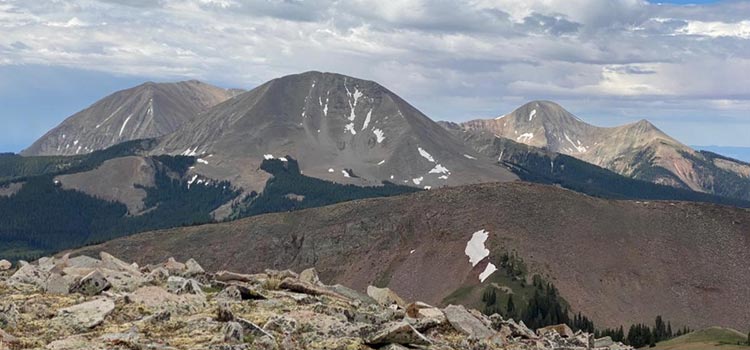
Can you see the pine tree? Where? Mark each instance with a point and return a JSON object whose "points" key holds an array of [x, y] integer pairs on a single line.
{"points": [[510, 309]]}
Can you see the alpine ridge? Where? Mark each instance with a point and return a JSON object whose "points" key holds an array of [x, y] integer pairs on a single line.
{"points": [[638, 150], [145, 111]]}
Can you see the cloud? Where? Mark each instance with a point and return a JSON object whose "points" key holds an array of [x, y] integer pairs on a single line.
{"points": [[482, 55]]}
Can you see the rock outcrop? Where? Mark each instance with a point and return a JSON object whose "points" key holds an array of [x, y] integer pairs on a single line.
{"points": [[180, 306]]}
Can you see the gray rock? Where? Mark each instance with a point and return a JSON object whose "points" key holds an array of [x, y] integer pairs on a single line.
{"points": [[464, 322], [59, 284], [86, 315], [239, 293], [385, 296], [30, 274], [233, 332], [158, 276], [179, 285], [192, 268], [351, 294], [112, 263], [84, 262], [398, 333], [265, 342], [281, 324], [5, 265], [310, 276], [8, 315], [174, 267], [91, 284], [603, 342], [251, 328]]}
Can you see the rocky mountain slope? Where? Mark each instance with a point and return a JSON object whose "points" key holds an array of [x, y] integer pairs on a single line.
{"points": [[339, 128], [638, 150], [618, 262], [539, 165], [145, 111], [85, 303]]}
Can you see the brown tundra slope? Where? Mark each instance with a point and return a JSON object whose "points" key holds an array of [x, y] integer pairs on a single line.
{"points": [[618, 262]]}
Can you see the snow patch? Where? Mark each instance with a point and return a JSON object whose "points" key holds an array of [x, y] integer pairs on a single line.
{"points": [[578, 147], [426, 155], [268, 156], [475, 248], [122, 128], [283, 159], [525, 137], [532, 114], [428, 187], [330, 170], [439, 169], [367, 120], [382, 162], [443, 177], [350, 128], [195, 177], [379, 135], [418, 180], [487, 272], [469, 157], [202, 161], [346, 173]]}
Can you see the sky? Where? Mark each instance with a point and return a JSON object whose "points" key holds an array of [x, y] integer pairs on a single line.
{"points": [[684, 65]]}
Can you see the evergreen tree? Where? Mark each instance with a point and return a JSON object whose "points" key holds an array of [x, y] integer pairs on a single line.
{"points": [[510, 308]]}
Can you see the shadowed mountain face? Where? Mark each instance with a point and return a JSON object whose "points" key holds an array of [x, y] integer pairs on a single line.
{"points": [[145, 111], [339, 128], [619, 262], [638, 150]]}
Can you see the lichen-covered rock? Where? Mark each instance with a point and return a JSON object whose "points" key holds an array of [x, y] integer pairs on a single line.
{"points": [[164, 311], [5, 265], [385, 296], [464, 322], [91, 284], [86, 315]]}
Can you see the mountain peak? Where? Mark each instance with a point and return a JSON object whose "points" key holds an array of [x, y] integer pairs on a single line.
{"points": [[145, 111]]}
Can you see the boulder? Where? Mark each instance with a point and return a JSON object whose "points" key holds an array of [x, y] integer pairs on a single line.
{"points": [[562, 329], [157, 276], [86, 315], [385, 296], [179, 285], [157, 299], [604, 342], [239, 292], [233, 332], [283, 274], [174, 267], [251, 328], [84, 262], [8, 315], [298, 286], [351, 294], [124, 281], [59, 284], [281, 324], [397, 333], [192, 268], [5, 265], [30, 274], [421, 310], [91, 284], [112, 263], [464, 322], [310, 276]]}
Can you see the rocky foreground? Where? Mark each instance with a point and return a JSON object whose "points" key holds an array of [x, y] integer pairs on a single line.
{"points": [[86, 303]]}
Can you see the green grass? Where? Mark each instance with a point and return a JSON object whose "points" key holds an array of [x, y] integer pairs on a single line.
{"points": [[709, 338]]}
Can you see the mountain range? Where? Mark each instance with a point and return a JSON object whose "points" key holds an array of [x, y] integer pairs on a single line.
{"points": [[609, 221], [638, 150]]}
